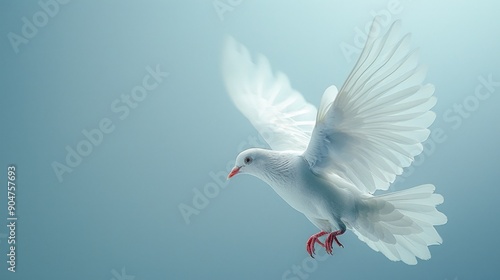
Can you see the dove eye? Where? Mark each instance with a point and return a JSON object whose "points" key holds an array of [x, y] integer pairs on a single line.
{"points": [[248, 160]]}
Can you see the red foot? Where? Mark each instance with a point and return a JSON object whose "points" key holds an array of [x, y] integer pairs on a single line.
{"points": [[333, 237], [313, 240]]}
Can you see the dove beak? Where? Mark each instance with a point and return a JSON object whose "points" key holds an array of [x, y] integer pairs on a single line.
{"points": [[233, 172]]}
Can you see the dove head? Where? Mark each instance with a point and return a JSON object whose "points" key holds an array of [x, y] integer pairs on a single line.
{"points": [[267, 165], [251, 161]]}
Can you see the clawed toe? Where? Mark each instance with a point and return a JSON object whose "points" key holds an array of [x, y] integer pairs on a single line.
{"points": [[313, 240], [328, 245]]}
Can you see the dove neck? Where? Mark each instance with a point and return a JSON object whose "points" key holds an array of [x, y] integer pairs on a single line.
{"points": [[278, 167]]}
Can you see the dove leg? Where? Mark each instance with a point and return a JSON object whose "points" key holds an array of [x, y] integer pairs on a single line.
{"points": [[313, 240], [333, 237]]}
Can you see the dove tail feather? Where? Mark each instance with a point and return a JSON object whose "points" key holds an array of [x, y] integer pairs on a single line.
{"points": [[400, 225]]}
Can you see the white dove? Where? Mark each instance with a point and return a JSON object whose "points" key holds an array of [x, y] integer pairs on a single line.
{"points": [[327, 163]]}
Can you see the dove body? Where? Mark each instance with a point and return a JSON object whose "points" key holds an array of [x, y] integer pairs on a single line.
{"points": [[330, 200]]}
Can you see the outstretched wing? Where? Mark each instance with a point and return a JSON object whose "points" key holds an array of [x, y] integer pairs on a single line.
{"points": [[278, 112], [375, 125]]}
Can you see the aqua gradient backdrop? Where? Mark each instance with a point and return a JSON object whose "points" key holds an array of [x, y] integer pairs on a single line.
{"points": [[117, 213]]}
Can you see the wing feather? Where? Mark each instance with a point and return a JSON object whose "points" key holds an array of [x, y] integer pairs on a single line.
{"points": [[278, 112], [376, 124]]}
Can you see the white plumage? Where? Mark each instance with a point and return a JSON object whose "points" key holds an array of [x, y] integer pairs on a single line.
{"points": [[327, 163]]}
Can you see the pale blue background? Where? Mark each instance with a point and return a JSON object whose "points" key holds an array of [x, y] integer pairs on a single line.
{"points": [[119, 207]]}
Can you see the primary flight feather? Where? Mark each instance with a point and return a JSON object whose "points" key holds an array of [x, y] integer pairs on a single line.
{"points": [[327, 162]]}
